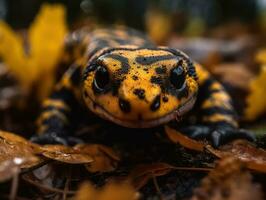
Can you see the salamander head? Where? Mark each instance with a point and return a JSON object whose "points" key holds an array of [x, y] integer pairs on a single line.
{"points": [[140, 88]]}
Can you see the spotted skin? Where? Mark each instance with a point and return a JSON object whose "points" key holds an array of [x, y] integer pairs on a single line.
{"points": [[121, 76]]}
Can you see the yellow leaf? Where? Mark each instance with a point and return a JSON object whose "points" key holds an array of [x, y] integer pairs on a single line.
{"points": [[256, 103], [111, 191], [12, 53], [261, 56], [46, 39]]}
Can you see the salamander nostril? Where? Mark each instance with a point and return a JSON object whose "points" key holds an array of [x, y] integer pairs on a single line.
{"points": [[124, 105], [156, 103]]}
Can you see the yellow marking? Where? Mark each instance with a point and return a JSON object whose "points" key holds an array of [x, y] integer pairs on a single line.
{"points": [[214, 102], [49, 114], [220, 117], [56, 103], [203, 74], [41, 130], [221, 96], [216, 86]]}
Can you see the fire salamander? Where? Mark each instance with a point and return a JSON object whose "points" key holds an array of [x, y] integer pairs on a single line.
{"points": [[120, 76]]}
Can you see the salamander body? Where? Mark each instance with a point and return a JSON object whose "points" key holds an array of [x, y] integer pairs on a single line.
{"points": [[120, 76]]}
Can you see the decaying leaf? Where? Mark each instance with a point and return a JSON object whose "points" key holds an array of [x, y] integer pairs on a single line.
{"points": [[17, 150], [141, 174], [104, 158], [111, 191], [254, 158], [228, 181], [256, 104], [65, 154], [36, 64], [183, 140]]}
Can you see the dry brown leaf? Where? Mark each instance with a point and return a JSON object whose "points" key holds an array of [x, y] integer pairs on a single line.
{"points": [[254, 158], [183, 140], [104, 158], [65, 154], [141, 174], [228, 181], [111, 191], [17, 150]]}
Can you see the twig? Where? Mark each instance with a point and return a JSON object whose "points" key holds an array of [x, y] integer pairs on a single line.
{"points": [[157, 187], [14, 187]]}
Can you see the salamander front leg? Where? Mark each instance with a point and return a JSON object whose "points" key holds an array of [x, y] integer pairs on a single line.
{"points": [[216, 117]]}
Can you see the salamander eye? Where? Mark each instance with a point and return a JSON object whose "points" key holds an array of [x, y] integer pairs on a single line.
{"points": [[177, 77], [101, 79]]}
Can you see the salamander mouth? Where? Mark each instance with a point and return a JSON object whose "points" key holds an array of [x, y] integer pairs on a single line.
{"points": [[175, 114]]}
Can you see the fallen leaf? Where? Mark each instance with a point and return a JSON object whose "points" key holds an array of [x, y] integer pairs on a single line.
{"points": [[228, 181], [17, 150], [254, 158], [65, 154], [183, 140], [30, 68], [104, 158]]}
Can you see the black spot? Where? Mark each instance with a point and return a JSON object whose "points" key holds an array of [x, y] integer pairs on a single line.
{"points": [[165, 99], [145, 69], [123, 60], [160, 70], [124, 105], [134, 77], [148, 60], [140, 93], [157, 80], [116, 85], [156, 103]]}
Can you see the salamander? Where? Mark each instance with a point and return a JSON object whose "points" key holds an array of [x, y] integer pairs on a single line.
{"points": [[119, 75]]}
